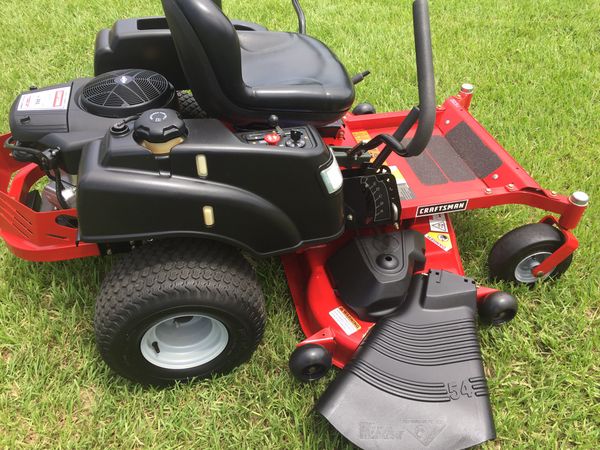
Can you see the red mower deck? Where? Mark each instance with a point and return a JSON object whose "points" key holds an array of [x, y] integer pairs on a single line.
{"points": [[463, 168]]}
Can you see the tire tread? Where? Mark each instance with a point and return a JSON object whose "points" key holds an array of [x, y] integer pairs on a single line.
{"points": [[188, 106], [175, 268]]}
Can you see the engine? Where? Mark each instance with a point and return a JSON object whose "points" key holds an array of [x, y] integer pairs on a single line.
{"points": [[116, 149], [69, 116]]}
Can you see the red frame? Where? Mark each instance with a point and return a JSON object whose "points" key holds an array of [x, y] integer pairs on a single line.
{"points": [[37, 236], [313, 295]]}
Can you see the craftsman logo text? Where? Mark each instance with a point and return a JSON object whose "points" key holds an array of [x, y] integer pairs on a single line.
{"points": [[442, 208]]}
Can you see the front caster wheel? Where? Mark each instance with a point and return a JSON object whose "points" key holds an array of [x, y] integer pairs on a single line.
{"points": [[518, 252], [310, 362], [498, 308], [179, 309]]}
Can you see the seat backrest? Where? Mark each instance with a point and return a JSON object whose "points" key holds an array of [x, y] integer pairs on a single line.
{"points": [[208, 49]]}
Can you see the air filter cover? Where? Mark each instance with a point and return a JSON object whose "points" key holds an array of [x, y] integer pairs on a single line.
{"points": [[124, 93]]}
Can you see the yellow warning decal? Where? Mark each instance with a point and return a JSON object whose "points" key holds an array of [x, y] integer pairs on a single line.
{"points": [[360, 136], [398, 175], [404, 189], [345, 320], [442, 240]]}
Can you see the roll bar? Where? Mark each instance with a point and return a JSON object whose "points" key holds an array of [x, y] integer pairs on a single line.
{"points": [[424, 114]]}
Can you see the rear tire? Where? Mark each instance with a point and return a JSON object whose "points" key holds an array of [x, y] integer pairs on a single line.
{"points": [[517, 252], [175, 310], [188, 107]]}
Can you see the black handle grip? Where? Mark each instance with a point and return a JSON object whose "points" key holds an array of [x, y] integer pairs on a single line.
{"points": [[425, 78]]}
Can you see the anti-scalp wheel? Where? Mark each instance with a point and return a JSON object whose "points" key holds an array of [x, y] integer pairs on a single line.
{"points": [[498, 308], [310, 362]]}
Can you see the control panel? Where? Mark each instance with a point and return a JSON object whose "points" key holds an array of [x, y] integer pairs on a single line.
{"points": [[298, 137]]}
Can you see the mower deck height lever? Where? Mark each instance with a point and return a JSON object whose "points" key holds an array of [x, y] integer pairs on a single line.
{"points": [[425, 113]]}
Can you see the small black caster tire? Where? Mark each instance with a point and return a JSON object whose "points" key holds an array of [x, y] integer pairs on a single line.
{"points": [[176, 310], [517, 252], [498, 308], [363, 109], [310, 362]]}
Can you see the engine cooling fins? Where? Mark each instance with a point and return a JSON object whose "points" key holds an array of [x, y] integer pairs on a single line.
{"points": [[417, 381]]}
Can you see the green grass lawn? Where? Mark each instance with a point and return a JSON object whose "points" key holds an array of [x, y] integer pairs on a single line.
{"points": [[536, 66]]}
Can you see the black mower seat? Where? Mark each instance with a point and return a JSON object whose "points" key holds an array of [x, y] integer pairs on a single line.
{"points": [[244, 77]]}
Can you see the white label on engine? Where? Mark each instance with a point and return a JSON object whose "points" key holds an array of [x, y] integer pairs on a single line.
{"points": [[344, 320], [50, 100]]}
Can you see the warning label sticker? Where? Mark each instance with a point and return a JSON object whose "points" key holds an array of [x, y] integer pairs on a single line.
{"points": [[360, 136], [442, 240], [439, 232], [406, 193], [344, 320], [438, 223], [48, 100]]}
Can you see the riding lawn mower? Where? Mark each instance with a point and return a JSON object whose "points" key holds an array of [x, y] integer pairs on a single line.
{"points": [[201, 141]]}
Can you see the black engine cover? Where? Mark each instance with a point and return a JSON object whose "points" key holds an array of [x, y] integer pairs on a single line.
{"points": [[372, 273], [265, 199]]}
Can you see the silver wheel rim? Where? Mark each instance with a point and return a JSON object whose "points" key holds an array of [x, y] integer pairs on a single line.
{"points": [[184, 341], [523, 271]]}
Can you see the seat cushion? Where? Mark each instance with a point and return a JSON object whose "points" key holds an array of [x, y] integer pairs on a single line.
{"points": [[293, 72]]}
